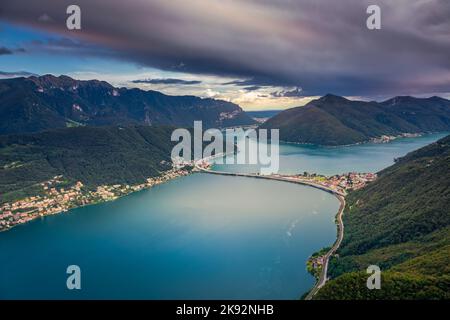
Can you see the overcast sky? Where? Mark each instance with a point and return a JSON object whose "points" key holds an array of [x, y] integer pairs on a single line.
{"points": [[257, 53]]}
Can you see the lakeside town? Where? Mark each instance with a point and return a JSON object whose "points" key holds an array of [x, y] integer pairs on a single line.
{"points": [[340, 183], [389, 138], [57, 197]]}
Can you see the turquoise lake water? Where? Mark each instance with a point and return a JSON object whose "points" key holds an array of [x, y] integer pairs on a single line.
{"points": [[368, 157], [196, 237]]}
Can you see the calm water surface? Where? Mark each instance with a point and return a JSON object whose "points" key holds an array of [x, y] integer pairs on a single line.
{"points": [[368, 157], [200, 236], [196, 237]]}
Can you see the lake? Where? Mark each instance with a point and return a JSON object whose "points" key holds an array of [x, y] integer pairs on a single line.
{"points": [[367, 157], [197, 237]]}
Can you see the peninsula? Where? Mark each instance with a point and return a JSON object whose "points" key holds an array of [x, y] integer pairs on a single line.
{"points": [[333, 120], [338, 185]]}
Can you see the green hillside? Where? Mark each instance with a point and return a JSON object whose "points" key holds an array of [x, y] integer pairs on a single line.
{"points": [[333, 120], [394, 286], [93, 155], [47, 102], [401, 222]]}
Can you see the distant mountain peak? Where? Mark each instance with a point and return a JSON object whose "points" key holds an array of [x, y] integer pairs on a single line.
{"points": [[409, 99], [334, 120], [401, 99], [45, 102], [436, 98], [50, 81], [329, 97]]}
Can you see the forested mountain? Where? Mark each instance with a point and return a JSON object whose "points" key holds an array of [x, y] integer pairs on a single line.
{"points": [[334, 120], [400, 222], [40, 103], [93, 155]]}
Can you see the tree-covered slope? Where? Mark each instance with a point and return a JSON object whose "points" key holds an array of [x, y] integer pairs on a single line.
{"points": [[40, 103], [333, 120], [400, 222], [426, 114], [93, 155], [394, 286], [311, 124]]}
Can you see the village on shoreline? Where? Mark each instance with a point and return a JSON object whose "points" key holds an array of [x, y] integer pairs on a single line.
{"points": [[339, 183], [56, 197]]}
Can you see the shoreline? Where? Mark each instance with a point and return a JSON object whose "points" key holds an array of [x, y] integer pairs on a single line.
{"points": [[198, 168], [151, 182], [321, 281], [375, 140]]}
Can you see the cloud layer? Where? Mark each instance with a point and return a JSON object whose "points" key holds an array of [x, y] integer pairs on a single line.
{"points": [[7, 75], [5, 50], [167, 81], [320, 46]]}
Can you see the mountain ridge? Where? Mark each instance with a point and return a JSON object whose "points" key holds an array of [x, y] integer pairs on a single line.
{"points": [[401, 223], [93, 155], [334, 120], [46, 102]]}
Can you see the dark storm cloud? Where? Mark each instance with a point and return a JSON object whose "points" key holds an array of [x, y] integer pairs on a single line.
{"points": [[319, 45], [5, 51], [253, 88], [238, 83], [248, 85], [253, 82], [297, 92], [5, 74], [168, 81], [68, 46]]}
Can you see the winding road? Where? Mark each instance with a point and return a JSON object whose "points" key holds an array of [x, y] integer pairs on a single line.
{"points": [[340, 225], [323, 275]]}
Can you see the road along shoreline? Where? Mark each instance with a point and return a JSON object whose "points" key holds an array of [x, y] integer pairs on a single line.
{"points": [[323, 275], [340, 225]]}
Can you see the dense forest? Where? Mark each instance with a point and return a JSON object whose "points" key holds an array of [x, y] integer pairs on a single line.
{"points": [[93, 155], [400, 222], [35, 104], [334, 120]]}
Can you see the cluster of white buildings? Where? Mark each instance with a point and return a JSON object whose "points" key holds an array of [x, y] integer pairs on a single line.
{"points": [[56, 199]]}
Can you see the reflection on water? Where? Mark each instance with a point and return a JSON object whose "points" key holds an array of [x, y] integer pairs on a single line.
{"points": [[201, 236]]}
